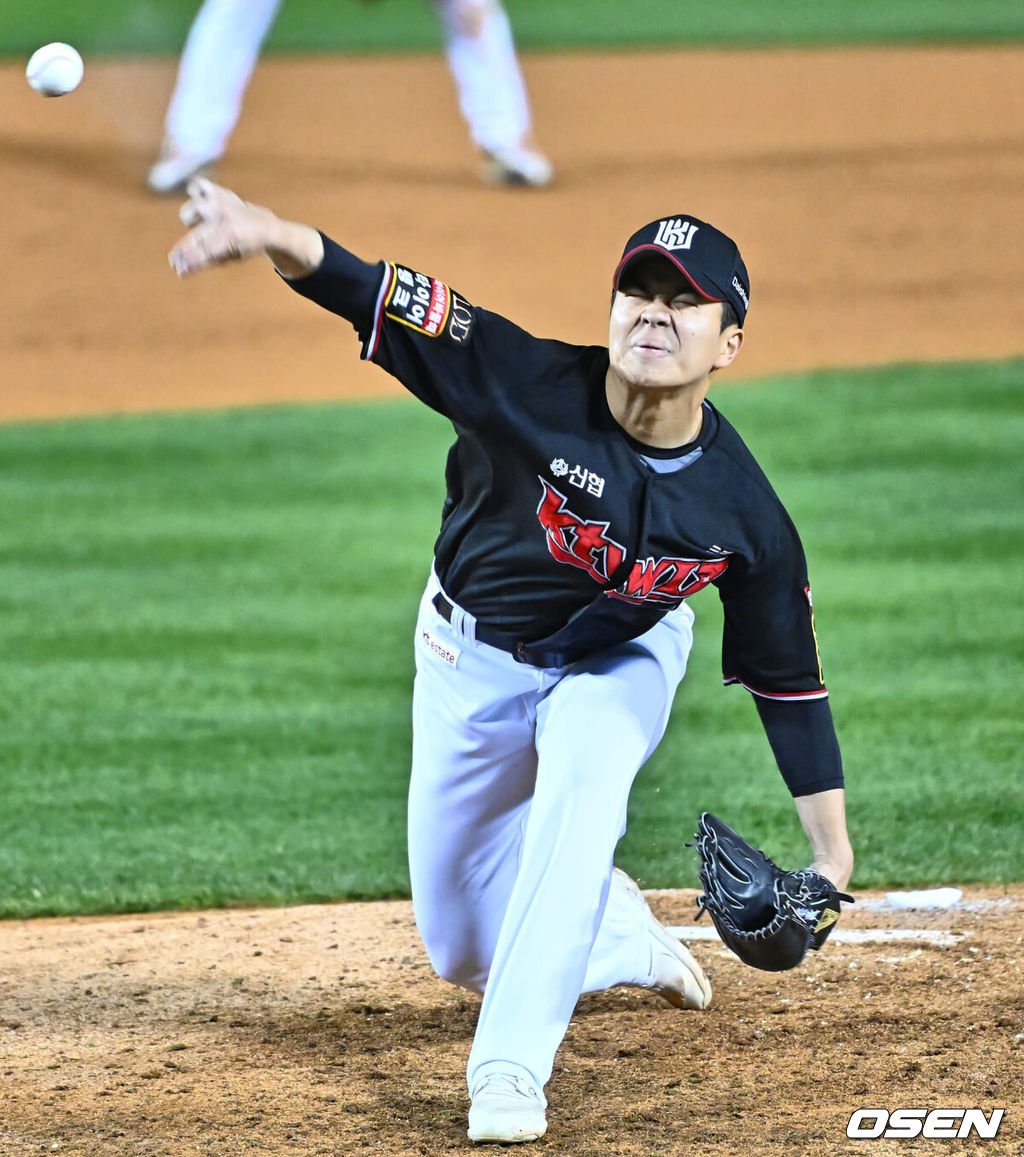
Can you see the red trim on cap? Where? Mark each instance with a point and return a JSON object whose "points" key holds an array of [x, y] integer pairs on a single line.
{"points": [[627, 257]]}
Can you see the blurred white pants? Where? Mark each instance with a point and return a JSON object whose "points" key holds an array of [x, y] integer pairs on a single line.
{"points": [[520, 779], [224, 42]]}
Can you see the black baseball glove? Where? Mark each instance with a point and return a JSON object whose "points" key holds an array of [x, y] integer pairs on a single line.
{"points": [[768, 917]]}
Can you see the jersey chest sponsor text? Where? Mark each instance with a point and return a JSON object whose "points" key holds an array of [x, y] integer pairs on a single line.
{"points": [[586, 544]]}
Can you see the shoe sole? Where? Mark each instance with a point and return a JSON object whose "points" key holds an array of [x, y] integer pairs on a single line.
{"points": [[499, 1137], [497, 1128]]}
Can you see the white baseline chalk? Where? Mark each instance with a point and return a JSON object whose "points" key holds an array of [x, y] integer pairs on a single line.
{"points": [[935, 936]]}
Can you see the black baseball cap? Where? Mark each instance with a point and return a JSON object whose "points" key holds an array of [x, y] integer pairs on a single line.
{"points": [[709, 260]]}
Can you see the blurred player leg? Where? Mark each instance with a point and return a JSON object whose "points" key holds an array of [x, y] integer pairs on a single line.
{"points": [[216, 65], [492, 96], [594, 732]]}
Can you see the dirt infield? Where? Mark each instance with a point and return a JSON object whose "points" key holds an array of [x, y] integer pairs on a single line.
{"points": [[878, 198], [321, 1030], [879, 201]]}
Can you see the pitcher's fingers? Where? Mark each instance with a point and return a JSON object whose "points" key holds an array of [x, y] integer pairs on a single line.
{"points": [[189, 214], [201, 189], [206, 200], [193, 253], [184, 258], [203, 204]]}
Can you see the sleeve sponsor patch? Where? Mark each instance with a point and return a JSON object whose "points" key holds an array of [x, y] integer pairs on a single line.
{"points": [[427, 305]]}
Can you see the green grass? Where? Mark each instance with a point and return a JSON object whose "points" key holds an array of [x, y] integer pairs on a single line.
{"points": [[205, 657], [119, 26], [204, 673]]}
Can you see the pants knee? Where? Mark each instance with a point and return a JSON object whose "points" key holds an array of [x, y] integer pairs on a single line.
{"points": [[452, 944], [458, 967]]}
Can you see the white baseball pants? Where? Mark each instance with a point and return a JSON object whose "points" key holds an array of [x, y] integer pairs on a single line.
{"points": [[520, 779], [223, 45], [216, 65]]}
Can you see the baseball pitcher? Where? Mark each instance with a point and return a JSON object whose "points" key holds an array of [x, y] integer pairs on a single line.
{"points": [[591, 491]]}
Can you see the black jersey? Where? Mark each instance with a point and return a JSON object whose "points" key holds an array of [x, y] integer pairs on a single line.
{"points": [[554, 529]]}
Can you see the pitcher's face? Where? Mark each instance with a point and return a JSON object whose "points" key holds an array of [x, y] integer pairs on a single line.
{"points": [[663, 331]]}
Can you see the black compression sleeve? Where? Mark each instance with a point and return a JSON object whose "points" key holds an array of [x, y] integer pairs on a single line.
{"points": [[344, 284], [803, 741]]}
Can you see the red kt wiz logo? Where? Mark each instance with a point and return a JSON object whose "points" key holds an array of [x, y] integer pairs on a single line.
{"points": [[667, 580], [575, 540], [904, 1124], [586, 544]]}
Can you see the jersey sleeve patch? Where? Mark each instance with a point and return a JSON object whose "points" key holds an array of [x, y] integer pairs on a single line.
{"points": [[425, 304], [418, 301]]}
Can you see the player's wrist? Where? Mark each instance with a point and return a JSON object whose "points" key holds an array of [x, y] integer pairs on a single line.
{"points": [[296, 250], [837, 867]]}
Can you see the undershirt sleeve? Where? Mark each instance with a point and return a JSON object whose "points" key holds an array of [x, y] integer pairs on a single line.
{"points": [[803, 740]]}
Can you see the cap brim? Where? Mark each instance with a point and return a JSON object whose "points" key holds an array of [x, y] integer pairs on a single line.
{"points": [[706, 289]]}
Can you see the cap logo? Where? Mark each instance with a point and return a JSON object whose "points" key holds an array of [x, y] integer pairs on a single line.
{"points": [[738, 286], [674, 233]]}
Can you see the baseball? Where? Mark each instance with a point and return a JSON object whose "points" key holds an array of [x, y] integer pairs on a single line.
{"points": [[55, 69]]}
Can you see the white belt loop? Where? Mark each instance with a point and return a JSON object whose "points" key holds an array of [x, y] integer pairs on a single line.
{"points": [[462, 622]]}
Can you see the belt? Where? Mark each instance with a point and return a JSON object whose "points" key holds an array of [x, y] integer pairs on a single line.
{"points": [[519, 649]]}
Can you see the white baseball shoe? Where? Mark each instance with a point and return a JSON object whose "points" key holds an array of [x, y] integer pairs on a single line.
{"points": [[507, 1107], [678, 978], [174, 169], [517, 165]]}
